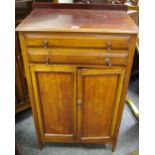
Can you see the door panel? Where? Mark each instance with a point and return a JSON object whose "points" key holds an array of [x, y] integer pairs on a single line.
{"points": [[54, 91], [99, 94]]}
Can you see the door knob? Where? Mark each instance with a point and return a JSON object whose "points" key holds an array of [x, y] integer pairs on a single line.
{"points": [[79, 102]]}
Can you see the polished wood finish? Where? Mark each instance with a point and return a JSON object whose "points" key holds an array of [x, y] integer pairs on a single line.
{"points": [[99, 93], [100, 1], [56, 106], [82, 56], [77, 40], [96, 6], [77, 78], [73, 20], [22, 101]]}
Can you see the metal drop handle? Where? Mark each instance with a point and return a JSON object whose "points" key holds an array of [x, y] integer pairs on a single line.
{"points": [[107, 62], [47, 60], [109, 45], [45, 42]]}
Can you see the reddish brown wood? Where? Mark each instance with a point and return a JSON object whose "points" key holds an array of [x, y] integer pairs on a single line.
{"points": [[53, 88], [73, 20], [22, 97], [99, 89], [100, 41], [72, 56], [100, 1], [96, 6]]}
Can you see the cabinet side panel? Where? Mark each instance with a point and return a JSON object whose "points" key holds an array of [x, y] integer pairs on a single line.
{"points": [[132, 46], [30, 88]]}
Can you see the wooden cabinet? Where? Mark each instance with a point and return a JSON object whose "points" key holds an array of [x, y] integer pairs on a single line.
{"points": [[77, 69]]}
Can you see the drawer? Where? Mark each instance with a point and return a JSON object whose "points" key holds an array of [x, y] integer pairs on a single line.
{"points": [[65, 40], [77, 56]]}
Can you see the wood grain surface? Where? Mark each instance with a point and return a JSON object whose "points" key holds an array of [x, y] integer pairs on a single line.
{"points": [[100, 91], [55, 98], [74, 20]]}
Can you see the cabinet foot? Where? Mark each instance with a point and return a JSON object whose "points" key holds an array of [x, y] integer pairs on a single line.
{"points": [[40, 145], [113, 146]]}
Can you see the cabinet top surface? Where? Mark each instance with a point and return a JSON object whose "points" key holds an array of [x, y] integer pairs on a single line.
{"points": [[78, 20]]}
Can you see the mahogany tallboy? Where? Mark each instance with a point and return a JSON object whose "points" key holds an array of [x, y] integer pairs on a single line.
{"points": [[77, 60]]}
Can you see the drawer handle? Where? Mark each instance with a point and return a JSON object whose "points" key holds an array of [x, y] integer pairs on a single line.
{"points": [[109, 44], [47, 60], [45, 42], [107, 62]]}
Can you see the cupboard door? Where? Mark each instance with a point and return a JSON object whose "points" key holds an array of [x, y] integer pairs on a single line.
{"points": [[54, 92], [99, 92]]}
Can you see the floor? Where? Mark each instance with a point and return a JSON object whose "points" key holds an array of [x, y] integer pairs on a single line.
{"points": [[128, 139]]}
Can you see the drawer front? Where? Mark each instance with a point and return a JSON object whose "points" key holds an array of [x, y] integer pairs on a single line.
{"points": [[77, 56], [64, 40]]}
